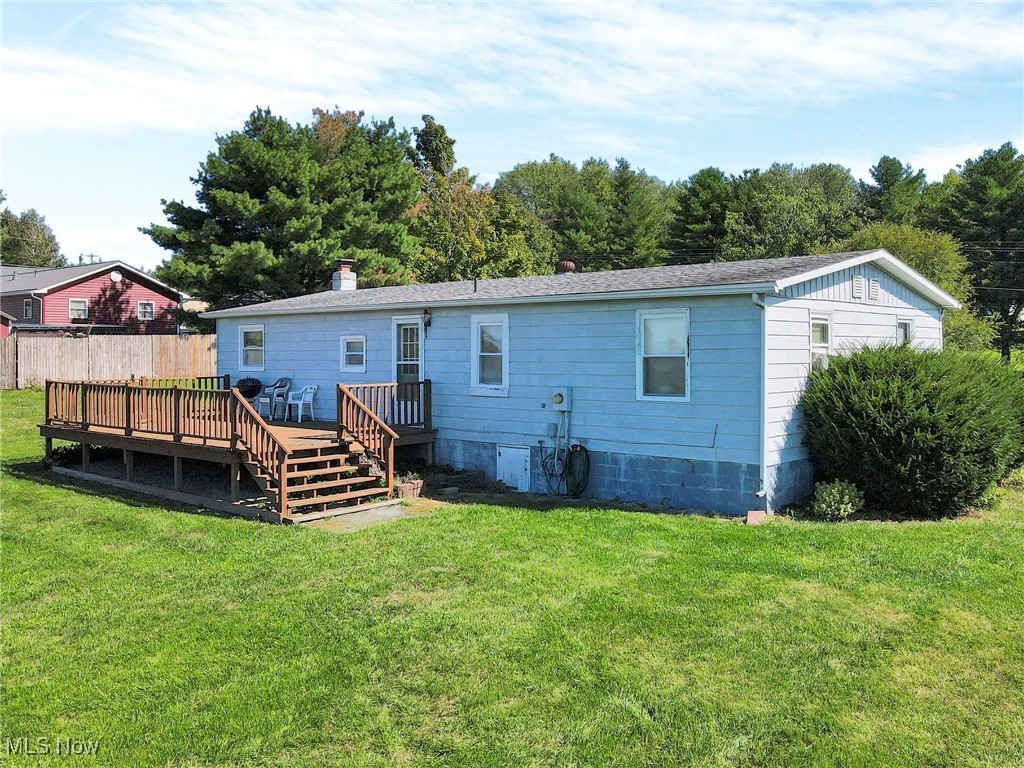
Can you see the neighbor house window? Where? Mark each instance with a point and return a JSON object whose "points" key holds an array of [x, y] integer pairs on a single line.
{"points": [[490, 355], [663, 355], [821, 341], [904, 331], [26, 309], [78, 309], [250, 339], [147, 310], [353, 354]]}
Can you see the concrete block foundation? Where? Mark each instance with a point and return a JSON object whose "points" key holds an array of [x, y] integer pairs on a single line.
{"points": [[722, 487]]}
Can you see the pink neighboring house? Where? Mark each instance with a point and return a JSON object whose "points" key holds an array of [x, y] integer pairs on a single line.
{"points": [[5, 325], [109, 296]]}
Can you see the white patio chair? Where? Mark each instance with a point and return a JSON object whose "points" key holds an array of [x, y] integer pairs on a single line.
{"points": [[273, 395], [300, 398]]}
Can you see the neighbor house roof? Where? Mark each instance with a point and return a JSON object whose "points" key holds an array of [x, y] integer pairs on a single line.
{"points": [[17, 279], [760, 276]]}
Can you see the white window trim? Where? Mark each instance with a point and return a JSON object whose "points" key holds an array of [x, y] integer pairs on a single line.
{"points": [[352, 368], [139, 311], [396, 321], [241, 348], [909, 321], [27, 304], [488, 390], [641, 314], [829, 348], [73, 317]]}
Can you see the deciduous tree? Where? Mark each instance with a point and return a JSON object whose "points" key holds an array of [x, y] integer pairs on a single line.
{"points": [[27, 240]]}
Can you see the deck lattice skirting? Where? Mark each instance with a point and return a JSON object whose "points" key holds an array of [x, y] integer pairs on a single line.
{"points": [[305, 471]]}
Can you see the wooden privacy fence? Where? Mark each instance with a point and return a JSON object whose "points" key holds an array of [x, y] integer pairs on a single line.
{"points": [[28, 360]]}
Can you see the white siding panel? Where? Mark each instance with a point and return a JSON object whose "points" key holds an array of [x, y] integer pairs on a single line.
{"points": [[855, 323]]}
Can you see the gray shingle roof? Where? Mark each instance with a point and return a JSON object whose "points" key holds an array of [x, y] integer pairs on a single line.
{"points": [[732, 273], [15, 279]]}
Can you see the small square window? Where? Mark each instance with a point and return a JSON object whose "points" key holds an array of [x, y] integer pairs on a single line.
{"points": [[353, 354], [904, 331], [78, 309], [147, 310]]}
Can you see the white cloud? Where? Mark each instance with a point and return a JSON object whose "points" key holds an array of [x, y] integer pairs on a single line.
{"points": [[203, 67], [937, 161]]}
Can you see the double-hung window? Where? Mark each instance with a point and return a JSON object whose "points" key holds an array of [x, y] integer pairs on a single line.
{"points": [[821, 341], [147, 310], [490, 355], [78, 309], [663, 354], [353, 354], [26, 309], [250, 348]]}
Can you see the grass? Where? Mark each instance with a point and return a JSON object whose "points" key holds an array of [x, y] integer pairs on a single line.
{"points": [[493, 636]]}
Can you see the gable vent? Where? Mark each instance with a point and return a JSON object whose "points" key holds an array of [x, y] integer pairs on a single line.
{"points": [[858, 286], [873, 290]]}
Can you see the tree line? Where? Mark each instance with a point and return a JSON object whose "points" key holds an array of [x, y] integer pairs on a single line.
{"points": [[277, 203]]}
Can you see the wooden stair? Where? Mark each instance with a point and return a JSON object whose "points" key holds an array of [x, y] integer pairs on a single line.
{"points": [[321, 481]]}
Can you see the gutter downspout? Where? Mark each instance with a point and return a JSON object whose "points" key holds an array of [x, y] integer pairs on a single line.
{"points": [[762, 493], [35, 298]]}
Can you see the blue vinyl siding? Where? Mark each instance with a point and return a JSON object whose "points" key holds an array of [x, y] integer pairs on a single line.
{"points": [[590, 346]]}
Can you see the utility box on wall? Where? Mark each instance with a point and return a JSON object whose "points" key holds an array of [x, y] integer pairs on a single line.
{"points": [[561, 398], [514, 467]]}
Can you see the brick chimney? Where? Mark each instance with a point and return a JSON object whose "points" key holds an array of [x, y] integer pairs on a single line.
{"points": [[343, 279]]}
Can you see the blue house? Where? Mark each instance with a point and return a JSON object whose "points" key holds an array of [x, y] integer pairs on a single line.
{"points": [[680, 385]]}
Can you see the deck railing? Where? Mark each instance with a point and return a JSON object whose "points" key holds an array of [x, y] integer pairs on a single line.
{"points": [[261, 446], [400, 405], [378, 439], [199, 413], [178, 412]]}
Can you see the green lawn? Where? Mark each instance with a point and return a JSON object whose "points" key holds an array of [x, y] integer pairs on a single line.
{"points": [[491, 636]]}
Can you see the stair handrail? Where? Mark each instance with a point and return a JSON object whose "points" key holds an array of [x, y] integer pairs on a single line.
{"points": [[369, 430], [261, 446]]}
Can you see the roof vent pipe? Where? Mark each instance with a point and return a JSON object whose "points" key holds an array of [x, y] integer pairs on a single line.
{"points": [[343, 279], [565, 267]]}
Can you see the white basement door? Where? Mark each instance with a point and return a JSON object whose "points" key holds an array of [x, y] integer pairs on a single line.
{"points": [[514, 467]]}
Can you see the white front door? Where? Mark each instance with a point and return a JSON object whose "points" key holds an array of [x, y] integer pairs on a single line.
{"points": [[408, 350]]}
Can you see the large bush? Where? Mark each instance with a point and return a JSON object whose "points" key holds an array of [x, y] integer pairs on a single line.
{"points": [[924, 433]]}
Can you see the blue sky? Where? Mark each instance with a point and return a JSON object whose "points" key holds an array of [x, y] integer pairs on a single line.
{"points": [[108, 107]]}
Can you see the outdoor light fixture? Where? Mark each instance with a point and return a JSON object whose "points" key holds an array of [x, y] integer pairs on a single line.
{"points": [[426, 318]]}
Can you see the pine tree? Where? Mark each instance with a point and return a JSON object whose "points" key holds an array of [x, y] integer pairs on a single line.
{"points": [[278, 203]]}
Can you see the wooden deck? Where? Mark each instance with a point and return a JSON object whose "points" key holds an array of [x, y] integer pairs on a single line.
{"points": [[306, 470]]}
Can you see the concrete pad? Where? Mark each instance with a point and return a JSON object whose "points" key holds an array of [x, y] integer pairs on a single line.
{"points": [[356, 521]]}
